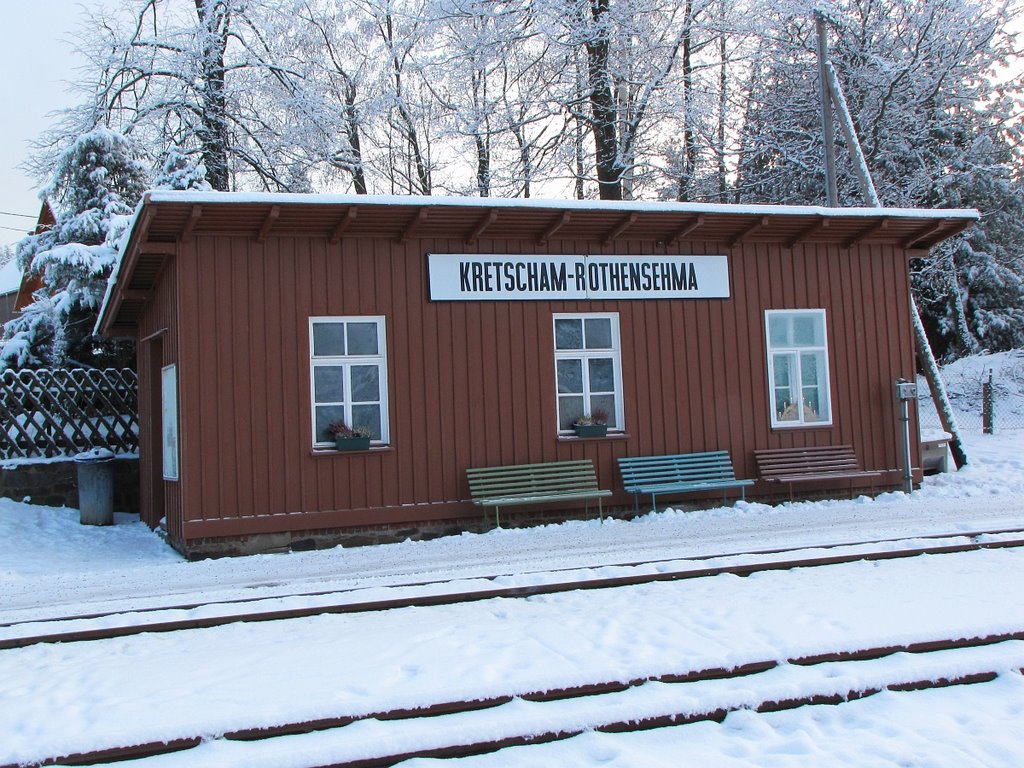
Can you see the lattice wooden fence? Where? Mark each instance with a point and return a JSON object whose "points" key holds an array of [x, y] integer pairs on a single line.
{"points": [[48, 413]]}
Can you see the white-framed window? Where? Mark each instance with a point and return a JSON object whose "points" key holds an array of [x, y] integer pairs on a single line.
{"points": [[588, 369], [348, 376], [798, 367]]}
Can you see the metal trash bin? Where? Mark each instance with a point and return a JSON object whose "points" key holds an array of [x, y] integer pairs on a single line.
{"points": [[96, 486]]}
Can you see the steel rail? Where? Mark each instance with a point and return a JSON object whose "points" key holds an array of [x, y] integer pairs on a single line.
{"points": [[152, 749], [970, 535], [516, 592]]}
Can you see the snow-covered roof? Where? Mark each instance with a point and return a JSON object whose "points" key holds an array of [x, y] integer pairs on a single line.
{"points": [[165, 217], [10, 277], [640, 206]]}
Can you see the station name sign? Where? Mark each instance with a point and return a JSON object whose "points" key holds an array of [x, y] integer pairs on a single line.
{"points": [[501, 277]]}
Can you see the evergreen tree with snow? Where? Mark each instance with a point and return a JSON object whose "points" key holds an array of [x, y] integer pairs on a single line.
{"points": [[94, 188], [939, 125], [179, 171]]}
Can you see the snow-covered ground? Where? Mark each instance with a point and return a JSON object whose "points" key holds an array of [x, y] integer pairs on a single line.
{"points": [[964, 379], [70, 697]]}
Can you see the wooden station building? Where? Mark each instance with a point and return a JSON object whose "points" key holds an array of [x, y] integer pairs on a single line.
{"points": [[471, 333]]}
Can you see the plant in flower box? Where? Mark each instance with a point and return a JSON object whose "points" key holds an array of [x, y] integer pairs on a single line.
{"points": [[348, 438], [593, 424]]}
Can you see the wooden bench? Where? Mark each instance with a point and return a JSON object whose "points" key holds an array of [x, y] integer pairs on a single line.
{"points": [[680, 473], [811, 464], [535, 484]]}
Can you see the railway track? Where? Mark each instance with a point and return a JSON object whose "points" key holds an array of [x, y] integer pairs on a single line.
{"points": [[108, 625], [537, 717], [673, 697]]}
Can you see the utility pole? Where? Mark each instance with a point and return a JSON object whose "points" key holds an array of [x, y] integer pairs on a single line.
{"points": [[831, 188]]}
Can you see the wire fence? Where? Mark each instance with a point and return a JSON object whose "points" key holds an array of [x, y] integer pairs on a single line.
{"points": [[987, 395], [49, 413]]}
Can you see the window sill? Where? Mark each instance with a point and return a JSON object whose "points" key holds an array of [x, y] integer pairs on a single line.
{"points": [[609, 436], [789, 427], [319, 453]]}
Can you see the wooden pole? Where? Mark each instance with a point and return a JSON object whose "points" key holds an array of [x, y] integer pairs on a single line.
{"points": [[831, 188]]}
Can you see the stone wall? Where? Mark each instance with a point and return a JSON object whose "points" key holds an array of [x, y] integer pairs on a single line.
{"points": [[55, 483]]}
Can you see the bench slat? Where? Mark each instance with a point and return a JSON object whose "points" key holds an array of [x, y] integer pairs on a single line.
{"points": [[521, 484], [679, 473], [809, 464]]}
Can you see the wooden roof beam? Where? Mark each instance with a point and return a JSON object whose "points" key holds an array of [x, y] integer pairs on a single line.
{"points": [[687, 229], [625, 223], [157, 248], [481, 226], [344, 223], [955, 228], [135, 294], [925, 233], [268, 222], [748, 230], [553, 227], [822, 223], [194, 214], [413, 225], [132, 256], [880, 225]]}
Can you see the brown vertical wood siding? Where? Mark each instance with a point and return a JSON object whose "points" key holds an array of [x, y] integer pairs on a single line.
{"points": [[160, 320], [472, 383]]}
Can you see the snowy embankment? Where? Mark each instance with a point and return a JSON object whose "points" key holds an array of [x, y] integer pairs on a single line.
{"points": [[205, 682], [246, 675]]}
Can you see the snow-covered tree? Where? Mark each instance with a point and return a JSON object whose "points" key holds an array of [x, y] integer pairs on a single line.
{"points": [[94, 188], [179, 171], [202, 75], [938, 115]]}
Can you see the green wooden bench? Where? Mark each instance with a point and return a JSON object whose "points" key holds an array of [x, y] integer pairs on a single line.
{"points": [[810, 464], [680, 473], [535, 484]]}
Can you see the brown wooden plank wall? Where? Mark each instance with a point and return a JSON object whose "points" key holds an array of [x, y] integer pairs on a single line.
{"points": [[157, 347], [472, 384]]}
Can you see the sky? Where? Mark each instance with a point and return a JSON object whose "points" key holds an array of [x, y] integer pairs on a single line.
{"points": [[38, 59]]}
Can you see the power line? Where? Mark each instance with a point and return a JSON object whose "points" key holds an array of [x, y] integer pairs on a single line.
{"points": [[22, 215], [15, 229]]}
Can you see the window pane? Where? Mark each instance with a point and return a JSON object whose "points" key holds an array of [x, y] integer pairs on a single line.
{"points": [[327, 414], [602, 375], [781, 367], [328, 339], [367, 416], [778, 330], [569, 409], [329, 384], [599, 333], [365, 383], [568, 334], [604, 403], [812, 405], [809, 364], [785, 407], [807, 331], [822, 404], [362, 339], [570, 376]]}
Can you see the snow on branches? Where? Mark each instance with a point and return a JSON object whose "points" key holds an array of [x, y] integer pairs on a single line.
{"points": [[95, 186]]}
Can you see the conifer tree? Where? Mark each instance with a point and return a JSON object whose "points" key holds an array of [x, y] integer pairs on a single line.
{"points": [[94, 188]]}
